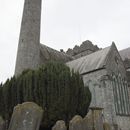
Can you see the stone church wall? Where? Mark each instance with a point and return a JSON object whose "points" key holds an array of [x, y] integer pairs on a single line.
{"points": [[116, 67], [92, 80], [102, 92], [101, 87], [123, 122]]}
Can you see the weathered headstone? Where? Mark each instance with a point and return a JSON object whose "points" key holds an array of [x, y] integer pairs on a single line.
{"points": [[26, 116], [88, 121], [76, 123], [97, 118], [106, 126], [60, 125], [93, 120], [2, 124]]}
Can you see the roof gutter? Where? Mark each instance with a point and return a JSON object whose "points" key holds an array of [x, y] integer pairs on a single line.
{"points": [[93, 71]]}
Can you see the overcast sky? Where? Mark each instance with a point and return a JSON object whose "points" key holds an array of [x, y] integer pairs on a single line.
{"points": [[65, 23]]}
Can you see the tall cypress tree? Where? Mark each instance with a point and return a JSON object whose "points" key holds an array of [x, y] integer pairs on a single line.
{"points": [[54, 87]]}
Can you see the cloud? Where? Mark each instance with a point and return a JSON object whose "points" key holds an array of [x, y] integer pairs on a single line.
{"points": [[64, 24]]}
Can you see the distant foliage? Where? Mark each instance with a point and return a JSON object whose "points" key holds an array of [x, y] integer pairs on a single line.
{"points": [[53, 86]]}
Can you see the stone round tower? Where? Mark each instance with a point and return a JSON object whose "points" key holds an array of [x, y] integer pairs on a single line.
{"points": [[29, 40]]}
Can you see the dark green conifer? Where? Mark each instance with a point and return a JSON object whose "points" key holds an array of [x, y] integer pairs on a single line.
{"points": [[58, 90]]}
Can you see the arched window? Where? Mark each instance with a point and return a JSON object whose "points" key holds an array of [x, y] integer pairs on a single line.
{"points": [[115, 94], [121, 97], [125, 97], [121, 94]]}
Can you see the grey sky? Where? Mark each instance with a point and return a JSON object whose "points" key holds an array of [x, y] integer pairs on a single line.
{"points": [[64, 24]]}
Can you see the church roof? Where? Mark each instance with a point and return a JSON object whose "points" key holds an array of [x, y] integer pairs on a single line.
{"points": [[125, 53], [52, 54], [94, 61]]}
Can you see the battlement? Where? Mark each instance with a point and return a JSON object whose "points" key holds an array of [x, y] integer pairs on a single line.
{"points": [[85, 48]]}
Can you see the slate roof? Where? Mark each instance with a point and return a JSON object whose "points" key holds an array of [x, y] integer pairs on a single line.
{"points": [[51, 54], [94, 61], [125, 53]]}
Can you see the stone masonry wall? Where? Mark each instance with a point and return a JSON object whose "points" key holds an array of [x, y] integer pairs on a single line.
{"points": [[29, 40], [102, 93], [114, 63], [101, 87], [123, 122]]}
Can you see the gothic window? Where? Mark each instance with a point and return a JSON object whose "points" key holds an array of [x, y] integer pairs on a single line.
{"points": [[121, 94], [121, 97], [118, 95], [127, 100], [115, 94], [124, 96]]}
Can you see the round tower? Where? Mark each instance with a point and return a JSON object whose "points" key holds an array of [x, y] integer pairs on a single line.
{"points": [[29, 40]]}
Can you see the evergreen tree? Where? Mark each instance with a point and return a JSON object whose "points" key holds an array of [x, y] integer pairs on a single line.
{"points": [[54, 87]]}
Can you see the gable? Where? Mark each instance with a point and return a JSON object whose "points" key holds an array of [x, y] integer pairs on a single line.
{"points": [[125, 55], [114, 62]]}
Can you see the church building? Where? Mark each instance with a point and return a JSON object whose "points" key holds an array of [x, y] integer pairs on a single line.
{"points": [[105, 71]]}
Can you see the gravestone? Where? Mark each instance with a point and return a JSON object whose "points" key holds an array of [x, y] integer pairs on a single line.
{"points": [[60, 125], [26, 116], [76, 123], [106, 126], [88, 121], [97, 118], [93, 120]]}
